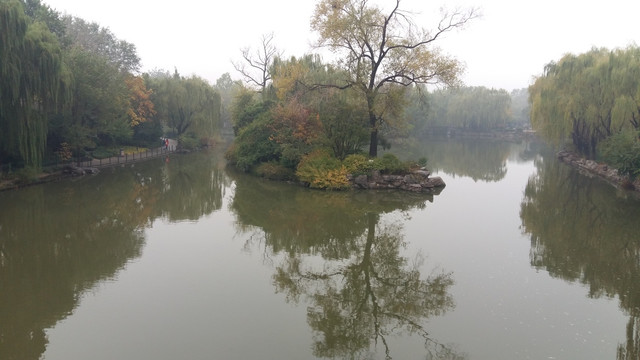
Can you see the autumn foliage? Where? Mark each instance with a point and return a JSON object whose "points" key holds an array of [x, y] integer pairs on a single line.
{"points": [[141, 109]]}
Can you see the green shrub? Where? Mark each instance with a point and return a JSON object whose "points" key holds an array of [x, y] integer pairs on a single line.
{"points": [[253, 146], [102, 152], [26, 175], [231, 154], [188, 142], [322, 171], [622, 151], [358, 164], [390, 164], [275, 171], [291, 156]]}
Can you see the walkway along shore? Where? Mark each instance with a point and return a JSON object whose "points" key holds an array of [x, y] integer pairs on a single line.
{"points": [[79, 168], [129, 158]]}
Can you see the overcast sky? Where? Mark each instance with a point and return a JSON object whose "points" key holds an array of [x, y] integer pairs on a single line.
{"points": [[505, 48]]}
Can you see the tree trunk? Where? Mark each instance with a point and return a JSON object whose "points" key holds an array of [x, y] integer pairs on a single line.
{"points": [[373, 143], [373, 124]]}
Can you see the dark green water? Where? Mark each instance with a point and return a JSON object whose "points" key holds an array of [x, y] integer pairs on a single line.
{"points": [[518, 258]]}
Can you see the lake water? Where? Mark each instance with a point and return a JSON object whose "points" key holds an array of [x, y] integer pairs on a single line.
{"points": [[519, 257]]}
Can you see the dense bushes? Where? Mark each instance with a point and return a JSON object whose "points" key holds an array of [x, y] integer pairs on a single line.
{"points": [[622, 151], [253, 145], [275, 171], [323, 171], [301, 133], [188, 142], [388, 164]]}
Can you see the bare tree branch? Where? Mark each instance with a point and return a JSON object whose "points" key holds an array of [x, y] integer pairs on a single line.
{"points": [[384, 49], [255, 67]]}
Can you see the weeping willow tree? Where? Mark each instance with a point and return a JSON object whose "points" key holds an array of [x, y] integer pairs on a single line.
{"points": [[188, 106], [588, 98], [32, 83]]}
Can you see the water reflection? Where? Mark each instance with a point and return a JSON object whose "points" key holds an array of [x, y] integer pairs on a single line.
{"points": [[581, 231], [363, 291], [50, 253], [297, 220], [58, 240], [192, 186], [479, 159]]}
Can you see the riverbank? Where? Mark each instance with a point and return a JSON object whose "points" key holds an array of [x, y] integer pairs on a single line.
{"points": [[601, 170], [84, 167]]}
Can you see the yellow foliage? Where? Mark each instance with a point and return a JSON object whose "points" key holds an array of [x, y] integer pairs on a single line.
{"points": [[140, 108], [322, 171], [330, 179], [286, 76]]}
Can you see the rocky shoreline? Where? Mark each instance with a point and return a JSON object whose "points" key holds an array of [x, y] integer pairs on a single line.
{"points": [[415, 181], [593, 168]]}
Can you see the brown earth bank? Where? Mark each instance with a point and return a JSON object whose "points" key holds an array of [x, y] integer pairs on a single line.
{"points": [[594, 168]]}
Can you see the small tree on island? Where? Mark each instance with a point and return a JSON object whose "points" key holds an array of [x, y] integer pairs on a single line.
{"points": [[383, 53]]}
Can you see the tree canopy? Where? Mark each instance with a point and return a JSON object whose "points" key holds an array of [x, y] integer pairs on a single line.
{"points": [[383, 51], [33, 82], [72, 85], [187, 105], [588, 97]]}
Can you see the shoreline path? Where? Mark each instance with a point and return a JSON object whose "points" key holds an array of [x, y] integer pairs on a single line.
{"points": [[133, 157]]}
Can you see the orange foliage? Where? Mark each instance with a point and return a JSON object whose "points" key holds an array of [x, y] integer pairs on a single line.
{"points": [[293, 121], [141, 108]]}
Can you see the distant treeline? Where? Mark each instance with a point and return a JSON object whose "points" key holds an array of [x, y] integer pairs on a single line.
{"points": [[69, 88], [468, 108]]}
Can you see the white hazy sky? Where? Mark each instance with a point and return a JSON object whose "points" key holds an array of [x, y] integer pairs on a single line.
{"points": [[505, 48]]}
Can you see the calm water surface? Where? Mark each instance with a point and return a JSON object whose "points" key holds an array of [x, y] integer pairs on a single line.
{"points": [[518, 258]]}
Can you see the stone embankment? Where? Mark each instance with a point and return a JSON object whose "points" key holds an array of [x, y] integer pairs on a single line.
{"points": [[416, 181], [593, 168]]}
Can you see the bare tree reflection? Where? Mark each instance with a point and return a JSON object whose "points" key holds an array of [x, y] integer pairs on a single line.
{"points": [[359, 303]]}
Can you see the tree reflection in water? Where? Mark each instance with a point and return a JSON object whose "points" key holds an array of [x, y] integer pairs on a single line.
{"points": [[363, 292], [581, 231], [479, 159], [58, 240], [368, 297]]}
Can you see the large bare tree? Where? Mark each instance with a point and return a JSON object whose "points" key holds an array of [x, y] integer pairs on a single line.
{"points": [[255, 67], [384, 51]]}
